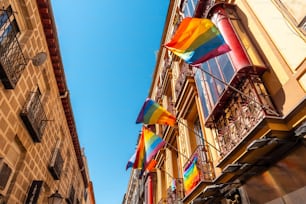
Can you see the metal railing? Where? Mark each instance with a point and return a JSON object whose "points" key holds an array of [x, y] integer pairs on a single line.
{"points": [[12, 60], [186, 72], [34, 117], [242, 114], [204, 166], [175, 193]]}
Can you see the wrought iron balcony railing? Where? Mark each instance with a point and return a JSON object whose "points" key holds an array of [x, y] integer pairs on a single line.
{"points": [[12, 60], [163, 79], [175, 193], [34, 117], [243, 114], [186, 72], [56, 164], [204, 166]]}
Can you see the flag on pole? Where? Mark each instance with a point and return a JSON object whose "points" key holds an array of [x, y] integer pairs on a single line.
{"points": [[151, 165], [197, 40], [137, 161], [152, 113], [153, 144], [191, 176], [149, 144]]}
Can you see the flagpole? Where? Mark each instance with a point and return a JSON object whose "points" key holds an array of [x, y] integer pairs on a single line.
{"points": [[197, 134], [235, 89]]}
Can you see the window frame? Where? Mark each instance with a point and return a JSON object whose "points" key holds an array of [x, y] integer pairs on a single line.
{"points": [[289, 12]]}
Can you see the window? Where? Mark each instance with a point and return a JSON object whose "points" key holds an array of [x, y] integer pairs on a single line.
{"points": [[34, 116], [5, 172], [8, 26], [189, 7], [209, 87], [56, 164], [296, 11], [198, 131], [12, 60]]}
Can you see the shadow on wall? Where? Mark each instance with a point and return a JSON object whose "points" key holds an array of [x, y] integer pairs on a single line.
{"points": [[272, 84]]}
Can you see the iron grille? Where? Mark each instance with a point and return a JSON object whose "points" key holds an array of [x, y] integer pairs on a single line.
{"points": [[175, 193], [185, 73], [34, 117], [242, 114], [12, 60], [56, 164], [204, 166]]}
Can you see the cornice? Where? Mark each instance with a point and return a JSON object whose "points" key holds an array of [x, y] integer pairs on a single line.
{"points": [[49, 27]]}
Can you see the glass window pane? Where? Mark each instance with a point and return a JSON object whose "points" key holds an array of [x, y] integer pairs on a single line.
{"points": [[190, 7], [201, 89], [211, 83], [226, 67], [216, 73]]}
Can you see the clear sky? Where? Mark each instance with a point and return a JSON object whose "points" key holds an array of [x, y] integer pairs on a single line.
{"points": [[109, 50]]}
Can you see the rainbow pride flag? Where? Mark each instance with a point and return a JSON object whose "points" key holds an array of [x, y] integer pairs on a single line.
{"points": [[149, 144], [197, 40], [153, 143], [151, 165], [137, 161], [191, 176], [152, 113]]}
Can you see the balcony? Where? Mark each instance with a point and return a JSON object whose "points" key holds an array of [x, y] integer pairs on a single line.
{"points": [[186, 75], [12, 60], [56, 164], [175, 193], [250, 133], [185, 90], [205, 169], [165, 77], [204, 166], [34, 117], [241, 114]]}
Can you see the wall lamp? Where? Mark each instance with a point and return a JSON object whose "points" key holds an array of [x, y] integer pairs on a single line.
{"points": [[55, 198], [39, 59]]}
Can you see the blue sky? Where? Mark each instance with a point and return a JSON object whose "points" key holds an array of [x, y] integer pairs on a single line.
{"points": [[108, 50]]}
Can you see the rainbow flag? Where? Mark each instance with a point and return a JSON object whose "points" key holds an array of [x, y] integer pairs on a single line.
{"points": [[151, 165], [197, 40], [137, 161], [153, 143], [152, 113], [191, 176], [149, 144]]}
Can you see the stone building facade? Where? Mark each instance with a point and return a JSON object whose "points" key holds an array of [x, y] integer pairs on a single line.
{"points": [[39, 146]]}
